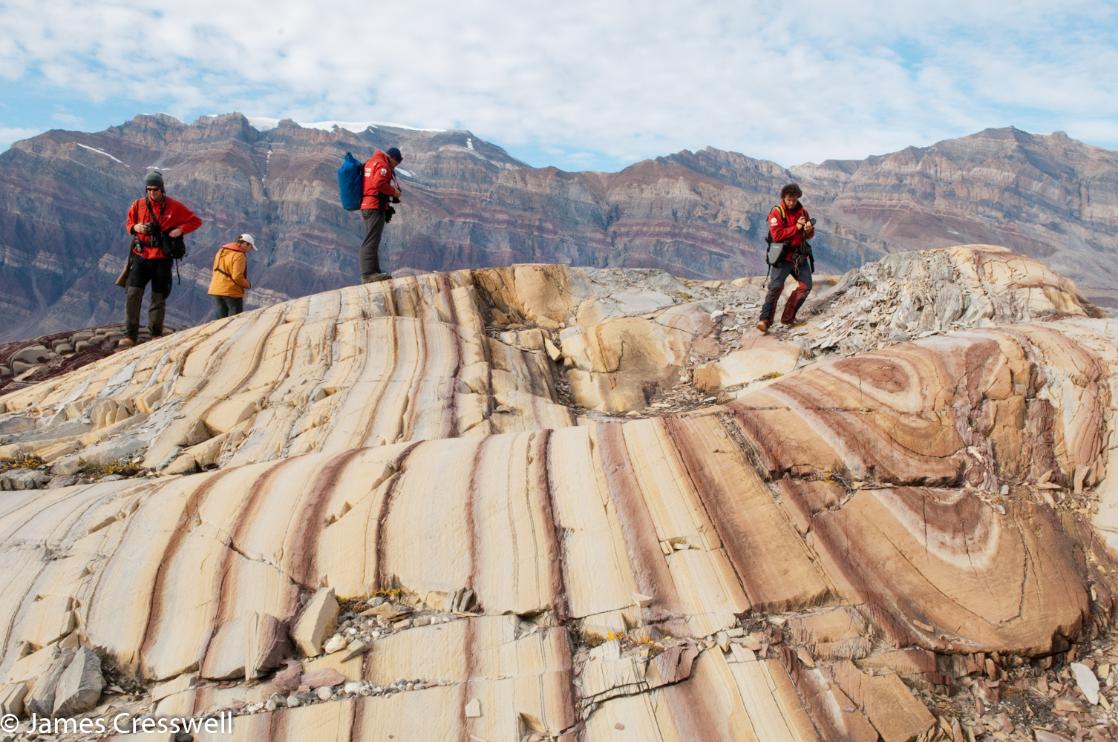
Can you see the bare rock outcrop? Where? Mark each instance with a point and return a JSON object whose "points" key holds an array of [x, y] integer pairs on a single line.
{"points": [[899, 532]]}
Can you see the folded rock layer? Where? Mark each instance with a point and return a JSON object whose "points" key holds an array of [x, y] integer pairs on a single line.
{"points": [[805, 556]]}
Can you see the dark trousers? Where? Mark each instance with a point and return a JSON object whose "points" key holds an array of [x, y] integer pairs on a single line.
{"points": [[370, 246], [227, 305], [157, 272], [778, 274]]}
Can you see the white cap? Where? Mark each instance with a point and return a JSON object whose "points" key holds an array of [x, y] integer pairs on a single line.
{"points": [[247, 238]]}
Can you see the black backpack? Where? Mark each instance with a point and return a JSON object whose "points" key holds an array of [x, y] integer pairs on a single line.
{"points": [[173, 247]]}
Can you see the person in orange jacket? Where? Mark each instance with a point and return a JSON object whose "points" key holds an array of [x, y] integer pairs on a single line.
{"points": [[379, 187], [150, 218], [230, 278], [789, 225]]}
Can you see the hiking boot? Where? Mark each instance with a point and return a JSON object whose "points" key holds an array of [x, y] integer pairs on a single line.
{"points": [[793, 323], [763, 326], [126, 342]]}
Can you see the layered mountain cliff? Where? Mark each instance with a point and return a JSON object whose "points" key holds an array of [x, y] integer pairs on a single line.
{"points": [[545, 502], [1049, 197], [63, 196]]}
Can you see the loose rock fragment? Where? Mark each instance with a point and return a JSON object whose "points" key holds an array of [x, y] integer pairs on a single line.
{"points": [[40, 698], [317, 620], [315, 679], [1087, 682], [287, 679], [79, 687], [1043, 735], [355, 649], [11, 698], [266, 646], [464, 601]]}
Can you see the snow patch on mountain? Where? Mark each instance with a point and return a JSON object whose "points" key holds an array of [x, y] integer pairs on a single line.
{"points": [[100, 152], [264, 123]]}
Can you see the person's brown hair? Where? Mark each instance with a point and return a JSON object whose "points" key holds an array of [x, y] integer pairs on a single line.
{"points": [[791, 190]]}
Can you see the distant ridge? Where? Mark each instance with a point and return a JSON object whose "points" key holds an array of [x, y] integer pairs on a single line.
{"points": [[468, 203]]}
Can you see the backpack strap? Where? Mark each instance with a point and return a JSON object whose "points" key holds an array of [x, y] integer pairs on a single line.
{"points": [[154, 216], [768, 231], [224, 272], [157, 235]]}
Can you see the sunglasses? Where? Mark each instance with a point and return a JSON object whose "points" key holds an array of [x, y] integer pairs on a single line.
{"points": [[153, 188]]}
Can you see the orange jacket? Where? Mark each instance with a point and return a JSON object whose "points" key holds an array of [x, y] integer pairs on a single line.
{"points": [[169, 213], [379, 171], [230, 277]]}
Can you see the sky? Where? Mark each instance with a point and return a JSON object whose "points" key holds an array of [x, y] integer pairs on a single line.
{"points": [[579, 85]]}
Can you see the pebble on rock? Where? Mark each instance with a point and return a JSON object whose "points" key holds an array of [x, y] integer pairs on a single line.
{"points": [[1087, 682]]}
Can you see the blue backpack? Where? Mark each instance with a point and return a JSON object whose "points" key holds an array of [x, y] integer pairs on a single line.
{"points": [[351, 182]]}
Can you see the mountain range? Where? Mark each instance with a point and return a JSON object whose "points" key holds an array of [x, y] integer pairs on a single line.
{"points": [[468, 203]]}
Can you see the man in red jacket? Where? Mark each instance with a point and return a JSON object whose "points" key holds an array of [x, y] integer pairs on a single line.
{"points": [[149, 218], [379, 186], [790, 225]]}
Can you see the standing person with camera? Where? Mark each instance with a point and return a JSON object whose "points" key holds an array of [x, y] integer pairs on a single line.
{"points": [[151, 221], [789, 225], [380, 188]]}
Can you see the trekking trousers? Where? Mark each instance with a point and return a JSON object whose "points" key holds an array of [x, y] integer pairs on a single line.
{"points": [[229, 305], [370, 246], [778, 275], [157, 272]]}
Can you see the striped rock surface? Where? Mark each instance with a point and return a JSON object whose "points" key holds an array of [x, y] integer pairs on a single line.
{"points": [[808, 556]]}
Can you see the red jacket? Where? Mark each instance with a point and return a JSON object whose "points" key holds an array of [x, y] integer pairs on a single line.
{"points": [[169, 213], [379, 172], [782, 226]]}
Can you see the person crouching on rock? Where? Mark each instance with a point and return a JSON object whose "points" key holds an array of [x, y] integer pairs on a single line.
{"points": [[789, 225], [230, 278], [150, 219]]}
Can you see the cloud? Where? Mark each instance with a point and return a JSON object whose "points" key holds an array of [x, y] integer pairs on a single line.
{"points": [[8, 136], [621, 81], [68, 119]]}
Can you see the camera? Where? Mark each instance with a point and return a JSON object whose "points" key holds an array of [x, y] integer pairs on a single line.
{"points": [[388, 213]]}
